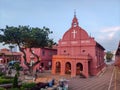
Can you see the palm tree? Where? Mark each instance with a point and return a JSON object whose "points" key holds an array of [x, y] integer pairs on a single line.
{"points": [[17, 67]]}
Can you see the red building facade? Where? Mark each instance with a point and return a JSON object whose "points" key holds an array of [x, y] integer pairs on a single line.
{"points": [[6, 55], [78, 53], [45, 56], [117, 56]]}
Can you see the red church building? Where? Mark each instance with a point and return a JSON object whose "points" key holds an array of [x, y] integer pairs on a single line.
{"points": [[78, 53]]}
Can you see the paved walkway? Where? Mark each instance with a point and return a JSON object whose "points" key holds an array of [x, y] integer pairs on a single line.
{"points": [[116, 79], [108, 80], [105, 81]]}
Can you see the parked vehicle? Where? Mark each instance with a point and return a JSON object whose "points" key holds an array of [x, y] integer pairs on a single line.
{"points": [[11, 63]]}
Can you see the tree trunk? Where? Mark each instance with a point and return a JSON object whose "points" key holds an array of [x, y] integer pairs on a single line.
{"points": [[24, 56], [38, 60]]}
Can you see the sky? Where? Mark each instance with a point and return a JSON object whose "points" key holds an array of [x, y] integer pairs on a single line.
{"points": [[100, 18]]}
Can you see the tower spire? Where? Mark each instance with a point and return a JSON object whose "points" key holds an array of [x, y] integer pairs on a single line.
{"points": [[74, 12], [74, 21]]}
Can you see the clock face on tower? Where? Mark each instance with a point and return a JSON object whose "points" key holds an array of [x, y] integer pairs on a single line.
{"points": [[75, 24]]}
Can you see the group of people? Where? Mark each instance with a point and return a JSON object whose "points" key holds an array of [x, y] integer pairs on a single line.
{"points": [[40, 70], [63, 84]]}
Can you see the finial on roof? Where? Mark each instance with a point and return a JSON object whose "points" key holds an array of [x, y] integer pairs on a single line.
{"points": [[74, 12]]}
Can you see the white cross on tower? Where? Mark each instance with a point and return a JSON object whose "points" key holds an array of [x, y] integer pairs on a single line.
{"points": [[74, 32]]}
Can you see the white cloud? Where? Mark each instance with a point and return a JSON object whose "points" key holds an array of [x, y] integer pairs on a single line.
{"points": [[109, 33], [109, 37], [111, 29]]}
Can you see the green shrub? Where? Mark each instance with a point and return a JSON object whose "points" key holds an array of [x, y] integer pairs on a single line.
{"points": [[14, 89], [1, 73], [22, 88], [1, 88], [5, 81], [15, 81], [28, 85], [6, 77]]}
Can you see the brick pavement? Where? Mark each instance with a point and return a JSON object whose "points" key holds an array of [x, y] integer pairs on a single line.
{"points": [[47, 76], [116, 81], [100, 82], [92, 83]]}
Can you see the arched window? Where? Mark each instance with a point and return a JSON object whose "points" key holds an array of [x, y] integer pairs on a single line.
{"points": [[58, 67], [79, 68], [68, 68]]}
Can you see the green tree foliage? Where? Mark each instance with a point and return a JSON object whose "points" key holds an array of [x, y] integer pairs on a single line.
{"points": [[26, 37], [109, 56]]}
